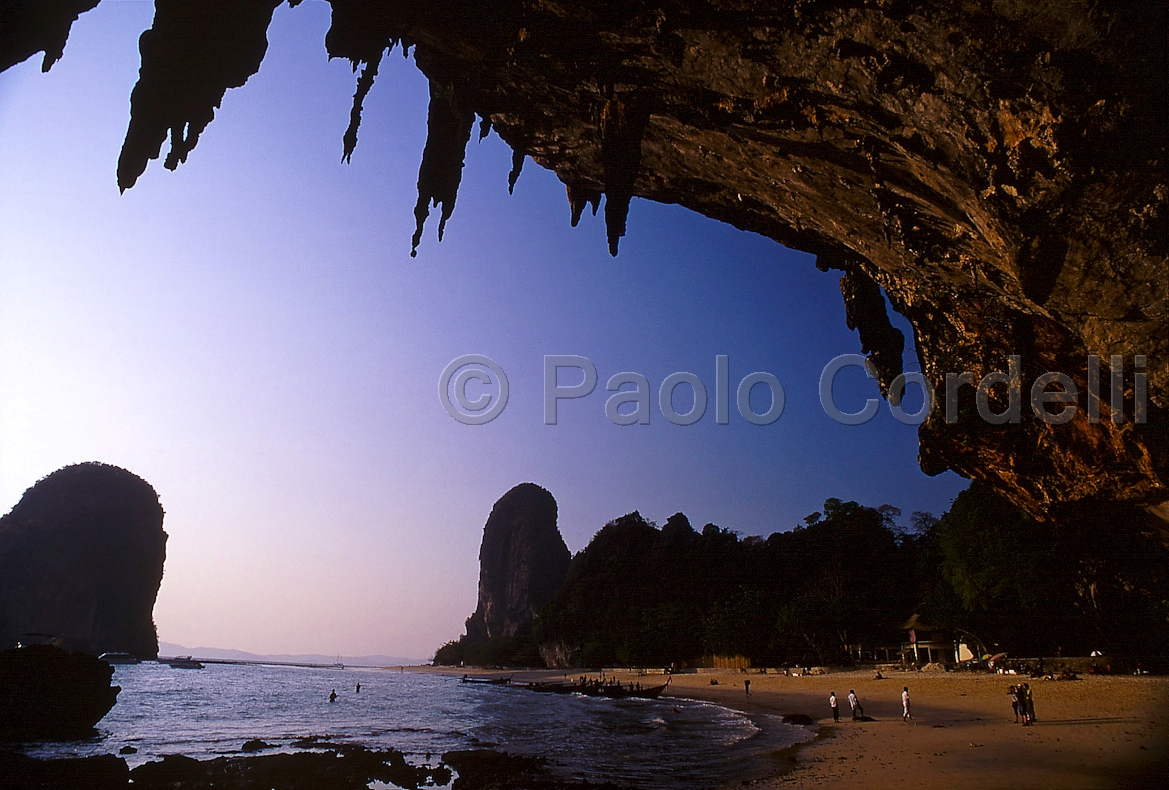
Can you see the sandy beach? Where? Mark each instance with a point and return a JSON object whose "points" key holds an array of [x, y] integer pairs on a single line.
{"points": [[1097, 732]]}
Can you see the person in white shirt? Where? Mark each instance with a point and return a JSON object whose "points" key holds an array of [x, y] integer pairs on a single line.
{"points": [[905, 714], [854, 703], [835, 710]]}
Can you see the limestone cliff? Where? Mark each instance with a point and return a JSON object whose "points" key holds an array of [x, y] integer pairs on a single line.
{"points": [[996, 168], [522, 562], [81, 559]]}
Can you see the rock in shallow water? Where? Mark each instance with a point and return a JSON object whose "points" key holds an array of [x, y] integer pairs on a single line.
{"points": [[48, 694], [256, 745]]}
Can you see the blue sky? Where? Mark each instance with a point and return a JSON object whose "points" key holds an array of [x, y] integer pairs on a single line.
{"points": [[250, 335]]}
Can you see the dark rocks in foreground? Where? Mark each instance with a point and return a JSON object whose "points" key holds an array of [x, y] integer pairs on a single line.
{"points": [[344, 767], [18, 772], [81, 560], [347, 767], [48, 694], [481, 769]]}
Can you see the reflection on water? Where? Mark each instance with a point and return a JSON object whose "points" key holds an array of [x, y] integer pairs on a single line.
{"points": [[644, 743]]}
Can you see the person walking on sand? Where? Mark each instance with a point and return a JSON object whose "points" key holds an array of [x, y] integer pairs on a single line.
{"points": [[747, 686], [854, 703], [835, 710], [905, 714]]}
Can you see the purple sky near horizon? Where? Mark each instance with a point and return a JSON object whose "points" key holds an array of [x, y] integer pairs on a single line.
{"points": [[250, 335]]}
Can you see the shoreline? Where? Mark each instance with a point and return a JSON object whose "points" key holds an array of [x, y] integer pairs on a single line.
{"points": [[1096, 732], [767, 765]]}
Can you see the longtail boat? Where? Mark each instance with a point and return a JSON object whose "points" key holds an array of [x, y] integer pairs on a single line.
{"points": [[599, 689], [500, 681]]}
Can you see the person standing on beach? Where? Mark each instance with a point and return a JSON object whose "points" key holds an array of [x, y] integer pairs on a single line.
{"points": [[1028, 705], [854, 703], [905, 714], [747, 686], [333, 695], [835, 710], [1013, 691]]}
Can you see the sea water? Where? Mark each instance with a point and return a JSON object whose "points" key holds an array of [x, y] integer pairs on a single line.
{"points": [[664, 743]]}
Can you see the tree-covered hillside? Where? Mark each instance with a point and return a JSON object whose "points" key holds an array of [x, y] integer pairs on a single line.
{"points": [[848, 577]]}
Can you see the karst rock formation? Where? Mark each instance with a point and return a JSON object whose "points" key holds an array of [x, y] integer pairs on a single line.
{"points": [[995, 167], [81, 560], [522, 562]]}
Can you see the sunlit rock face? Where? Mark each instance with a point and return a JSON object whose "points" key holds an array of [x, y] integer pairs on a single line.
{"points": [[522, 562], [81, 560], [997, 169]]}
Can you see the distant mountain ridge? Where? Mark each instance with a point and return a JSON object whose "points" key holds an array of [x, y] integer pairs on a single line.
{"points": [[172, 649]]}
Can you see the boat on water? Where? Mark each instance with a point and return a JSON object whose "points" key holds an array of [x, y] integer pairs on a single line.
{"points": [[183, 662], [119, 658], [500, 681], [48, 694], [596, 688]]}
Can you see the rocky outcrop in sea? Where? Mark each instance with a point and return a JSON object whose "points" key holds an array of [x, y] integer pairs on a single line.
{"points": [[81, 559]]}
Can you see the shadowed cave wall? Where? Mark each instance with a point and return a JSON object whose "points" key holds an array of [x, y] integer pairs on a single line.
{"points": [[995, 168]]}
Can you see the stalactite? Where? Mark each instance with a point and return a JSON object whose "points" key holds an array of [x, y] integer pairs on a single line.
{"points": [[447, 133], [579, 197], [192, 54], [517, 165], [364, 83], [865, 312], [623, 122]]}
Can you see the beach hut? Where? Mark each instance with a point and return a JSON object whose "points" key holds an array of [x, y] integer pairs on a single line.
{"points": [[931, 644]]}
